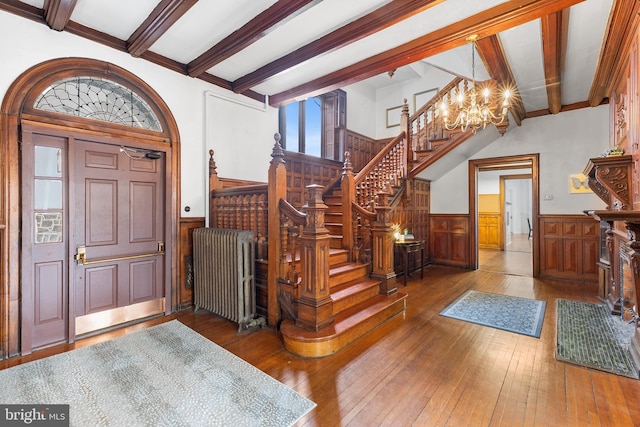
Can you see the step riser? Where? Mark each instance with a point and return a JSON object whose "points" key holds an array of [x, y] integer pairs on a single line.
{"points": [[357, 272], [354, 299], [325, 346]]}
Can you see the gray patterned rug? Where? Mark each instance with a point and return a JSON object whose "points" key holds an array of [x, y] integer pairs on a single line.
{"points": [[588, 335], [167, 375], [513, 314]]}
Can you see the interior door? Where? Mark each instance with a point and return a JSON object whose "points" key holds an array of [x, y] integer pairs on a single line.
{"points": [[118, 217]]}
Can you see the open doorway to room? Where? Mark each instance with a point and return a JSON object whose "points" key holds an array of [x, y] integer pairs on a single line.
{"points": [[503, 206]]}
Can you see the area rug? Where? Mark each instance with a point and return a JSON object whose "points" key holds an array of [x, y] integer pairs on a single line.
{"points": [[514, 314], [588, 335], [167, 375]]}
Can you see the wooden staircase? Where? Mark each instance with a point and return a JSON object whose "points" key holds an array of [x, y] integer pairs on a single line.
{"points": [[358, 305]]}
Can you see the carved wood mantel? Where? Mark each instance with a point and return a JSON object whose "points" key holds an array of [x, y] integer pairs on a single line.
{"points": [[631, 219], [609, 177]]}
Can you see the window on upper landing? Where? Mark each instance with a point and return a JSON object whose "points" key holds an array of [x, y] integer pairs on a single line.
{"points": [[315, 126]]}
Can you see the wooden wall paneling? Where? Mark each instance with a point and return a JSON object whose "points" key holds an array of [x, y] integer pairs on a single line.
{"points": [[304, 170], [569, 247], [185, 264], [449, 239]]}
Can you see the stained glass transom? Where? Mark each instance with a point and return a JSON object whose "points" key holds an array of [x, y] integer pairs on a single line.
{"points": [[98, 99]]}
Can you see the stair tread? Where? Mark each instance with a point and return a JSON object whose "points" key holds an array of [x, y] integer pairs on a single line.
{"points": [[346, 320]]}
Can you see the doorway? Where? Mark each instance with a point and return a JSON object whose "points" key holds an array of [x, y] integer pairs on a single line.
{"points": [[89, 220], [504, 192]]}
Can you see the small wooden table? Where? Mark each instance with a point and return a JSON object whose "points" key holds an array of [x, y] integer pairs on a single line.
{"points": [[410, 247]]}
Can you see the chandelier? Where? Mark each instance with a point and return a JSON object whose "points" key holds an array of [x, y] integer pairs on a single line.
{"points": [[475, 107]]}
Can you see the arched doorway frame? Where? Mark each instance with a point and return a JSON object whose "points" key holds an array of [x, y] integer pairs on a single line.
{"points": [[17, 109]]}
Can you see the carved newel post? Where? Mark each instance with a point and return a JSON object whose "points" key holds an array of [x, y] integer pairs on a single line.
{"points": [[348, 188], [382, 244], [277, 190], [315, 307]]}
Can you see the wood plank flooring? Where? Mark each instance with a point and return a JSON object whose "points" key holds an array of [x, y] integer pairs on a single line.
{"points": [[423, 369]]}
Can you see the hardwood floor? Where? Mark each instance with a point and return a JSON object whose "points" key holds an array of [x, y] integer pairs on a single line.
{"points": [[423, 369], [516, 259]]}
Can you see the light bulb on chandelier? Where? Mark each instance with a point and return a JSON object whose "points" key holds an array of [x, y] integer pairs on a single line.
{"points": [[475, 107]]}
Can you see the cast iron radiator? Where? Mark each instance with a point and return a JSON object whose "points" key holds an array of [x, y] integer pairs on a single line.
{"points": [[223, 276]]}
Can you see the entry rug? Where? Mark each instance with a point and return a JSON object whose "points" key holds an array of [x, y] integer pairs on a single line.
{"points": [[514, 314], [167, 375], [588, 335]]}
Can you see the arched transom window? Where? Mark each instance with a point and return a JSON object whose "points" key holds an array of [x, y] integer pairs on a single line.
{"points": [[98, 99]]}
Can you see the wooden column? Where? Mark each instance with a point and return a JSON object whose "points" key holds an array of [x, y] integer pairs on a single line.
{"points": [[348, 188], [383, 256], [315, 306], [277, 190]]}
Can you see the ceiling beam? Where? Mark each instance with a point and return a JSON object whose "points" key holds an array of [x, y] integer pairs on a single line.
{"points": [[22, 9], [383, 17], [163, 16], [58, 12], [258, 27], [619, 34], [35, 14], [495, 61], [552, 48], [491, 21]]}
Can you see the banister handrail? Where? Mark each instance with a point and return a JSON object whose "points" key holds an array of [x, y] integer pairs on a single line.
{"points": [[438, 96], [288, 210], [367, 214], [386, 150], [244, 189]]}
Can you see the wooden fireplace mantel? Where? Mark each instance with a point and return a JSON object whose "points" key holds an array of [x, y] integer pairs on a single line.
{"points": [[611, 176]]}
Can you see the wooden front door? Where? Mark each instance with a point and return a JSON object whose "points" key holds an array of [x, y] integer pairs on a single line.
{"points": [[93, 235]]}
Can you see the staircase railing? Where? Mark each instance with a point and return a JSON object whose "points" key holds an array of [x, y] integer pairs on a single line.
{"points": [[425, 125]]}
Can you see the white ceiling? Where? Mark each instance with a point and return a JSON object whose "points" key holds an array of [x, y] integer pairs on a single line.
{"points": [[208, 22]]}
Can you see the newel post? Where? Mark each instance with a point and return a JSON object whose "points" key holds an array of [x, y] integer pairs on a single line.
{"points": [[348, 187], [405, 126], [277, 190], [382, 244], [315, 307]]}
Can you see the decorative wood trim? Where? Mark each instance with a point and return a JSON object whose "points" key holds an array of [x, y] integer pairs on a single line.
{"points": [[58, 12], [163, 16], [553, 49], [11, 115], [614, 173], [495, 60], [622, 29], [491, 21], [185, 260], [367, 25], [449, 237], [258, 27], [569, 247], [525, 160]]}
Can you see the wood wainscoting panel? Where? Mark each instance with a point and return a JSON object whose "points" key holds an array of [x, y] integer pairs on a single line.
{"points": [[449, 239], [569, 247], [185, 257]]}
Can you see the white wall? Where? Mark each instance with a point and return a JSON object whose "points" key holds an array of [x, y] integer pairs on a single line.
{"points": [[241, 136], [565, 142], [361, 109]]}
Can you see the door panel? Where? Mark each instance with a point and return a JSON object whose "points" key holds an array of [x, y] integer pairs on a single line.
{"points": [[44, 266], [119, 219]]}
